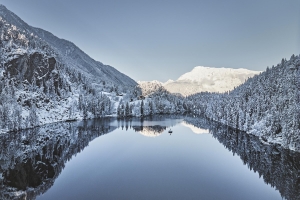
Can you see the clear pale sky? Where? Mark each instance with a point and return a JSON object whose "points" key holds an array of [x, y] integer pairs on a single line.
{"points": [[162, 39]]}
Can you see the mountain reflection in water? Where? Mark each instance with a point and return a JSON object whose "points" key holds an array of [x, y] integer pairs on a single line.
{"points": [[279, 167], [31, 160]]}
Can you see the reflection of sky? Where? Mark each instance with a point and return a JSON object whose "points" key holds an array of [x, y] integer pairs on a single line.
{"points": [[184, 165]]}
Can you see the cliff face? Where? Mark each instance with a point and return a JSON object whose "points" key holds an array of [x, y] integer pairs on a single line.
{"points": [[31, 67]]}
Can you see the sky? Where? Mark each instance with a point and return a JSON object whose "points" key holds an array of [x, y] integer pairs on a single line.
{"points": [[163, 39]]}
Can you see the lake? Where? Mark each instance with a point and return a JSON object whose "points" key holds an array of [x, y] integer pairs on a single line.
{"points": [[139, 159]]}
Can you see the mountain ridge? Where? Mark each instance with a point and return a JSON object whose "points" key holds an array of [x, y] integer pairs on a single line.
{"points": [[70, 54], [45, 79], [201, 79]]}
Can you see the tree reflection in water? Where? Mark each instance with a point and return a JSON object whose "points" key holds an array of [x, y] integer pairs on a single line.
{"points": [[31, 160], [279, 167]]}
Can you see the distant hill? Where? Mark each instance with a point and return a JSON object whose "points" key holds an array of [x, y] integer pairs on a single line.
{"points": [[208, 79], [149, 87]]}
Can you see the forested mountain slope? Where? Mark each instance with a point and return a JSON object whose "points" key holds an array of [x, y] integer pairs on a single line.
{"points": [[44, 79], [266, 105]]}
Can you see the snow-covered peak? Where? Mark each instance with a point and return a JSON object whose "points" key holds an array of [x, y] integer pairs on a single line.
{"points": [[150, 82], [201, 73], [209, 79], [168, 81]]}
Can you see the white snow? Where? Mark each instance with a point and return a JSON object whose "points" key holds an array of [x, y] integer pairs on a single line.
{"points": [[149, 87], [202, 79], [148, 132], [167, 82], [195, 129]]}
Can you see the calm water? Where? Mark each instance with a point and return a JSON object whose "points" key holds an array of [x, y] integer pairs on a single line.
{"points": [[111, 159]]}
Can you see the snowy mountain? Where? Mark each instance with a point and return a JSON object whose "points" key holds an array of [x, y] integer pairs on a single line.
{"points": [[149, 87], [266, 105], [44, 79], [208, 79], [66, 52]]}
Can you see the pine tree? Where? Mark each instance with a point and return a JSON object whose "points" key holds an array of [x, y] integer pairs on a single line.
{"points": [[142, 108], [150, 108], [33, 117], [127, 110]]}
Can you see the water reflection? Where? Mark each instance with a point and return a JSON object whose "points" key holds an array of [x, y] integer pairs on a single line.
{"points": [[150, 131], [195, 129], [279, 167], [31, 160], [149, 126]]}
